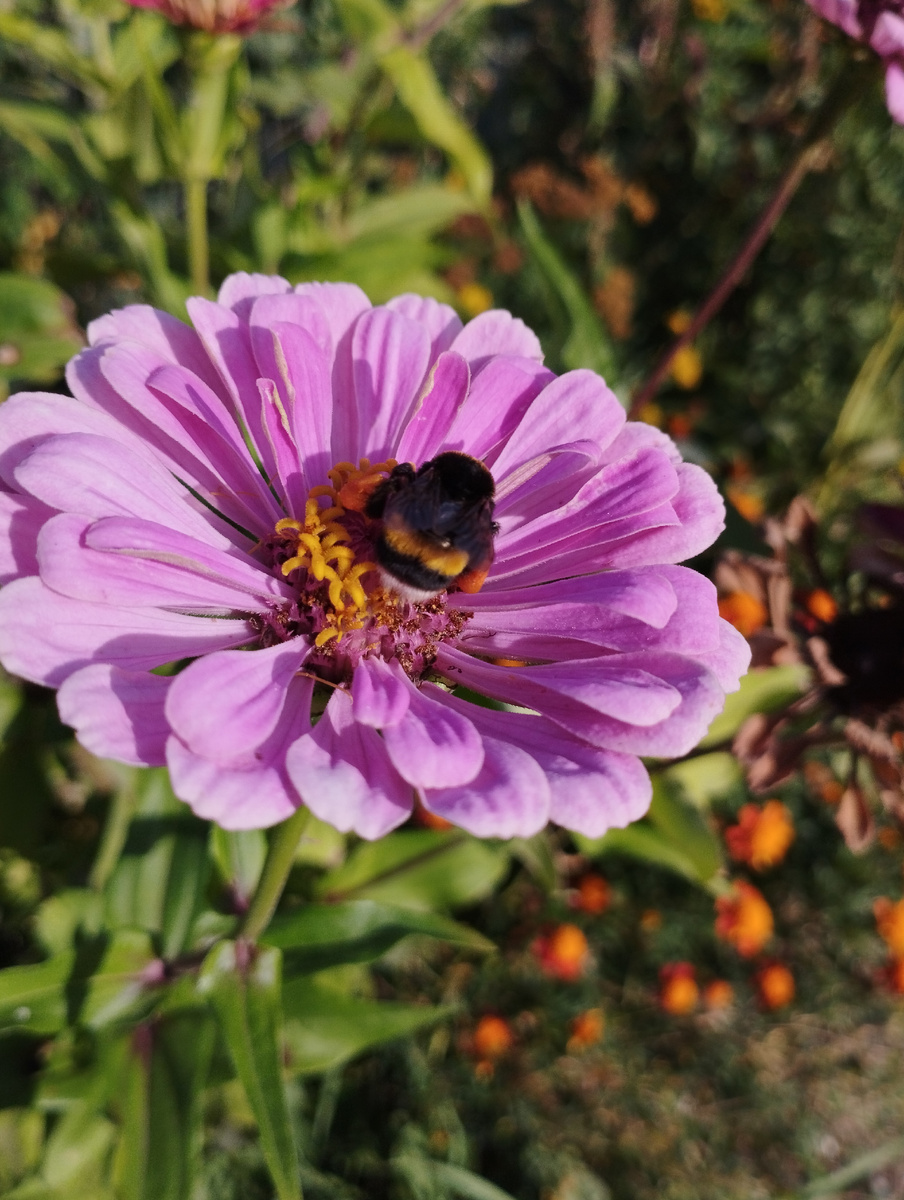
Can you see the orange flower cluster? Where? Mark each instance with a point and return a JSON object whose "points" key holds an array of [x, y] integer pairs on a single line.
{"points": [[744, 611], [678, 990], [762, 835], [593, 895], [774, 985], [563, 953], [890, 923], [718, 995], [492, 1039], [744, 919], [586, 1029]]}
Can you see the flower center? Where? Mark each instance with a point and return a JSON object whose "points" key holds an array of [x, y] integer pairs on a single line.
{"points": [[324, 550], [342, 605]]}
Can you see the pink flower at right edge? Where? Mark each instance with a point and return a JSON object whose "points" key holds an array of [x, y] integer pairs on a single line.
{"points": [[139, 531], [879, 24]]}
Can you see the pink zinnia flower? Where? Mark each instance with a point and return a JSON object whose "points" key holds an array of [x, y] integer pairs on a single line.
{"points": [[139, 531], [879, 24], [214, 16]]}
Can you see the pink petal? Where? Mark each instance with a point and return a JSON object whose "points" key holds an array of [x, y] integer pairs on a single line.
{"points": [[493, 333], [730, 661], [167, 336], [96, 477], [440, 321], [510, 796], [894, 91], [228, 342], [496, 403], [287, 479], [44, 636], [888, 36], [307, 379], [29, 418], [138, 564], [441, 398], [432, 746], [576, 403], [250, 798], [239, 291], [389, 358], [21, 519], [343, 774], [225, 706], [117, 714], [380, 693]]}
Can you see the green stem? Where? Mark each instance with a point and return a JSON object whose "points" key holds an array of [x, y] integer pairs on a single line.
{"points": [[196, 227], [116, 830], [277, 866]]}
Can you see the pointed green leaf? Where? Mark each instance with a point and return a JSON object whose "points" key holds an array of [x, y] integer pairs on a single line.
{"points": [[587, 344], [764, 690], [424, 869], [166, 1071], [33, 997], [242, 984], [239, 858], [326, 935], [325, 1027]]}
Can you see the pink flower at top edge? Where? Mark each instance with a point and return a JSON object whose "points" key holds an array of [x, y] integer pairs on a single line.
{"points": [[879, 24], [137, 532], [214, 16]]}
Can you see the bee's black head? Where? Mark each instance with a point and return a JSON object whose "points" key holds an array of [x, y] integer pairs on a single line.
{"points": [[461, 477]]}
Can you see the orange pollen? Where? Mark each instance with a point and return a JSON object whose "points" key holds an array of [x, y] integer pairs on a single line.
{"points": [[319, 545]]}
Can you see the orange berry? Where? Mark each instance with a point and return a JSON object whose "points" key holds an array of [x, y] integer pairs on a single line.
{"points": [[744, 919], [678, 991], [774, 985]]}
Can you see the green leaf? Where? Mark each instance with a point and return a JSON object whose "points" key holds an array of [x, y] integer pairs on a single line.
{"points": [[37, 328], [324, 1027], [326, 935], [243, 985], [74, 1166], [59, 918], [536, 855], [423, 869], [33, 997], [110, 980], [161, 1107], [21, 1140], [765, 690], [468, 1185], [52, 46], [706, 777], [587, 344], [418, 211], [674, 836], [159, 881], [420, 92], [686, 829], [240, 859]]}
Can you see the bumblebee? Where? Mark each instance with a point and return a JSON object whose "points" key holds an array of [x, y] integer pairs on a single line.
{"points": [[436, 527]]}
